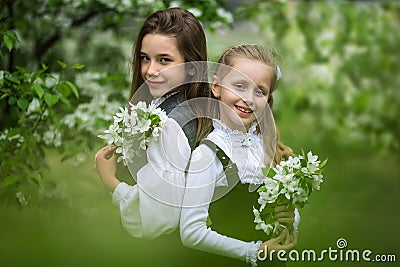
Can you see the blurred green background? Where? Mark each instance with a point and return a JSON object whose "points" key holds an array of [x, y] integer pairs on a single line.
{"points": [[339, 97]]}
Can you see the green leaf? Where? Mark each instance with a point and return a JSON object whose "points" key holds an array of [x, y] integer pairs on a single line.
{"points": [[23, 103], [7, 42], [303, 162], [23, 120], [271, 173], [261, 189], [323, 163], [50, 99], [62, 64], [65, 101], [3, 96], [12, 100], [63, 89], [78, 66], [12, 79], [13, 132], [38, 73], [38, 89], [38, 178], [265, 171], [11, 179], [73, 88]]}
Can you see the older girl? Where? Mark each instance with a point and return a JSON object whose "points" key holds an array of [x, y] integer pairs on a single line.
{"points": [[167, 42]]}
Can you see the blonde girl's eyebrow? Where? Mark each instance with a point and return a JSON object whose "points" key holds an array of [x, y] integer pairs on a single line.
{"points": [[242, 81]]}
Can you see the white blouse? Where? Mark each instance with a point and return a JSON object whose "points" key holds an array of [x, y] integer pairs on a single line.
{"points": [[152, 206], [204, 175]]}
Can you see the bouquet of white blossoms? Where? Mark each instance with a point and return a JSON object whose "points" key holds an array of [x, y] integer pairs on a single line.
{"points": [[133, 129], [290, 182]]}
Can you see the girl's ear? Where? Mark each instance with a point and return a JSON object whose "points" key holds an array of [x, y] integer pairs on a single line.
{"points": [[216, 87], [191, 71]]}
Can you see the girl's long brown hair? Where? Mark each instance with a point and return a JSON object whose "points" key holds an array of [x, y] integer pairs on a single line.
{"points": [[191, 41]]}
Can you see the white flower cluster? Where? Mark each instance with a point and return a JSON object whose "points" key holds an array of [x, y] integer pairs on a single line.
{"points": [[134, 128], [290, 183]]}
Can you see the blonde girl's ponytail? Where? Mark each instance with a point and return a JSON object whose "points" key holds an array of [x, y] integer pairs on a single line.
{"points": [[282, 152]]}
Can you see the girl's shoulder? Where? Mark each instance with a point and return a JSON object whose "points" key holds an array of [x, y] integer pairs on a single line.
{"points": [[246, 150], [178, 110]]}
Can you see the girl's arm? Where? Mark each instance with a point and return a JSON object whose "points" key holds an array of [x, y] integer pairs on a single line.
{"points": [[200, 185]]}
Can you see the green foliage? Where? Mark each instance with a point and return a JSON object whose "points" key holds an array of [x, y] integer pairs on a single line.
{"points": [[340, 68], [33, 103], [41, 106], [45, 26]]}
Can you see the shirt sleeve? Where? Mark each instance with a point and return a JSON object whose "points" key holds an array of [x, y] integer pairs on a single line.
{"points": [[152, 206], [200, 185], [296, 222]]}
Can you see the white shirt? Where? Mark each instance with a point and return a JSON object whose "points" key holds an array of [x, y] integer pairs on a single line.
{"points": [[152, 206]]}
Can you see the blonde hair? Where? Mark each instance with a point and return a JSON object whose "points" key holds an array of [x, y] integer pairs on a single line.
{"points": [[266, 56]]}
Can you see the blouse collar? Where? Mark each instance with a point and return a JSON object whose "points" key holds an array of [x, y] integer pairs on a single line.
{"points": [[246, 150], [236, 135]]}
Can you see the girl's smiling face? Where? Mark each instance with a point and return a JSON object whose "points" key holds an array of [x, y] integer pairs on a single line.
{"points": [[244, 90], [161, 64]]}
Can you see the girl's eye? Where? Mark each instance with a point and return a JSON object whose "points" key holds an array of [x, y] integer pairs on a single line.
{"points": [[260, 92], [239, 86], [165, 60], [144, 58]]}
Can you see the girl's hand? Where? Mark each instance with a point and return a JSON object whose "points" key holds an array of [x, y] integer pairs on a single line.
{"points": [[277, 245], [105, 165], [285, 215]]}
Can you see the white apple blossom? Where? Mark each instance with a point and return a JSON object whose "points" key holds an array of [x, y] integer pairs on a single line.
{"points": [[290, 182], [223, 13], [133, 129], [52, 137], [143, 125]]}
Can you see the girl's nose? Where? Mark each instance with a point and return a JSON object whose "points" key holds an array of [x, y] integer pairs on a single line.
{"points": [[152, 69], [247, 97]]}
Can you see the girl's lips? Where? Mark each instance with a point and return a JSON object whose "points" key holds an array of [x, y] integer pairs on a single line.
{"points": [[246, 111], [154, 84]]}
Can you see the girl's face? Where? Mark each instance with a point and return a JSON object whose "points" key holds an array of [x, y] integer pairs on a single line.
{"points": [[244, 90], [161, 64]]}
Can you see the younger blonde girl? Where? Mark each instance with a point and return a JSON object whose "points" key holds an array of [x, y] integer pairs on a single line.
{"points": [[243, 140]]}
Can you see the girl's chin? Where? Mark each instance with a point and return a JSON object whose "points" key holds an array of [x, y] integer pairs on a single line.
{"points": [[157, 92]]}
